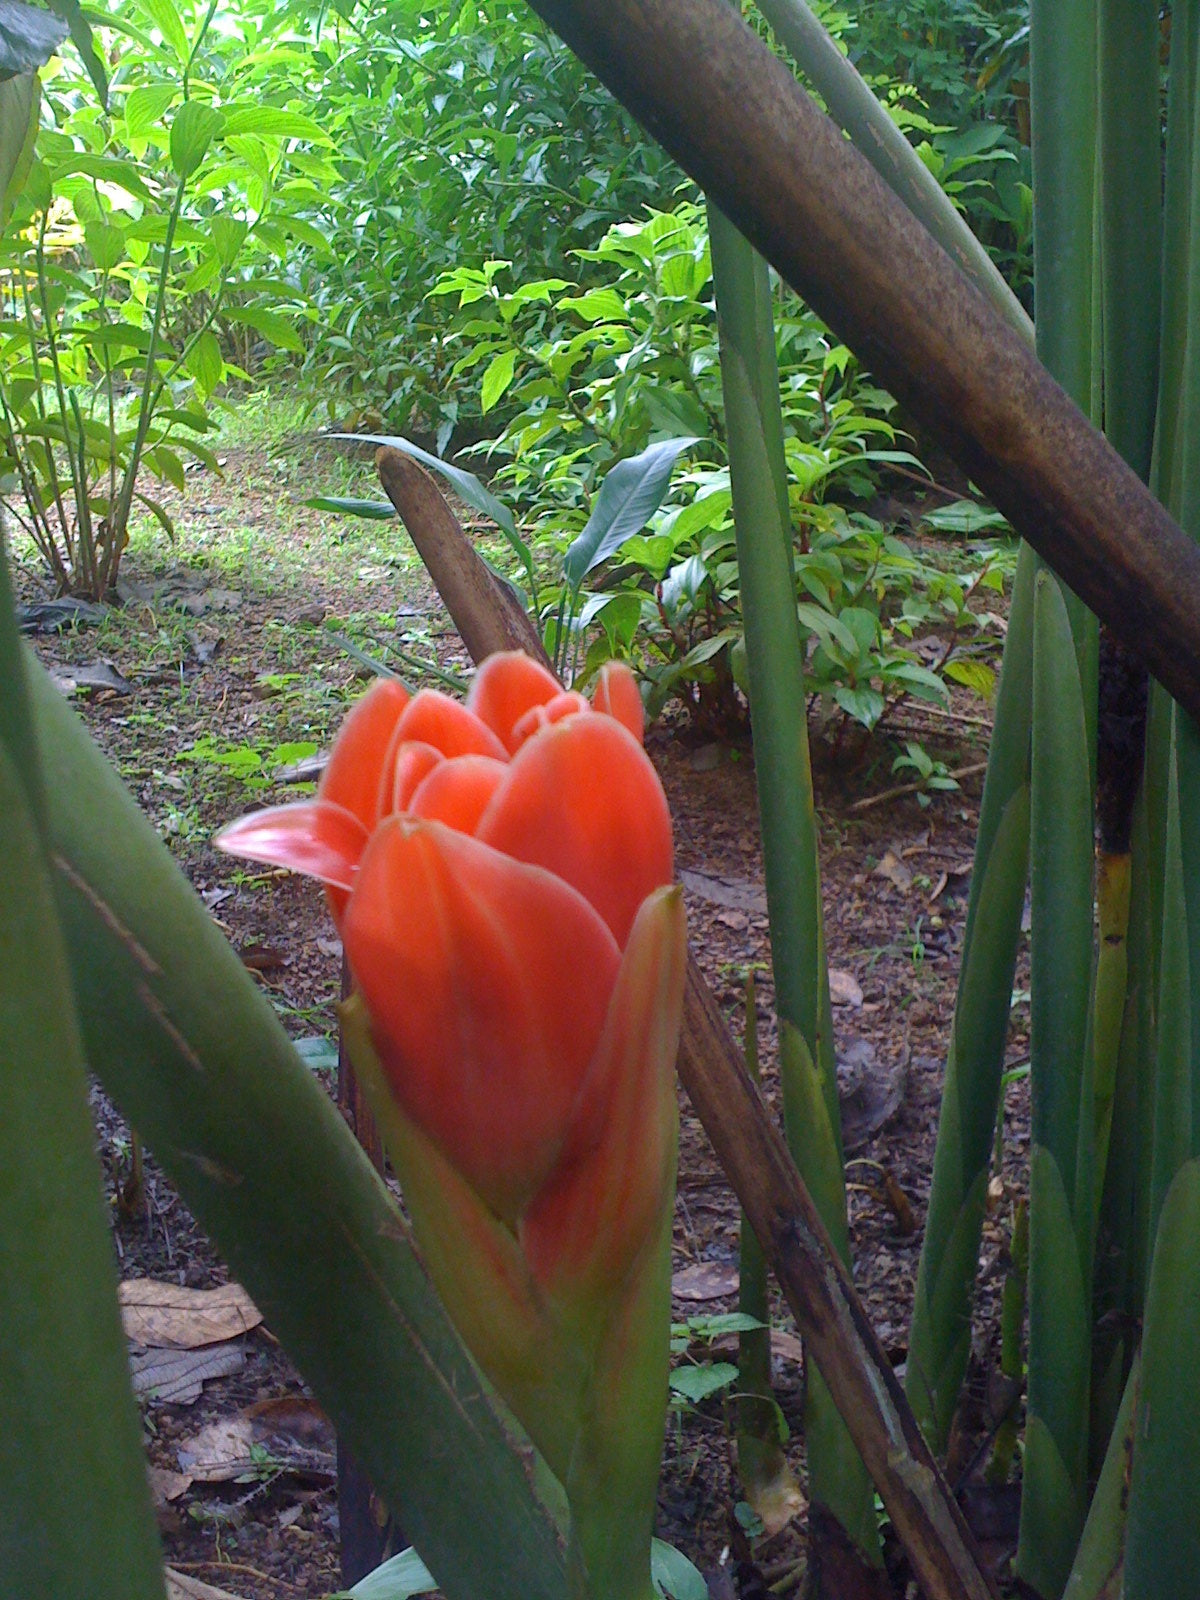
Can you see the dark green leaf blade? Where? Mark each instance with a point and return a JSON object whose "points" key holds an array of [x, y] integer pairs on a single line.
{"points": [[75, 1513], [631, 493], [197, 1060], [29, 36]]}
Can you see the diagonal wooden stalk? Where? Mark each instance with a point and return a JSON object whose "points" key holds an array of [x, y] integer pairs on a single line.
{"points": [[751, 1149], [690, 71]]}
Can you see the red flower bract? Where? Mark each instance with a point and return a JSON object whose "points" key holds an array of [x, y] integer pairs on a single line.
{"points": [[486, 863]]}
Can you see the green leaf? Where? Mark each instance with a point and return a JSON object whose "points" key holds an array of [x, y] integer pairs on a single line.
{"points": [[631, 493], [75, 1516], [163, 15], [496, 378], [976, 675], [193, 129], [205, 361], [373, 510], [273, 326], [19, 101], [465, 484], [195, 1057], [145, 107], [228, 235], [1162, 1553], [400, 1578], [106, 244], [81, 37], [674, 1575], [698, 1383], [272, 123]]}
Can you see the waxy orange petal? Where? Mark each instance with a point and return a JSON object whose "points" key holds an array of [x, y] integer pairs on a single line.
{"points": [[582, 800], [315, 837], [457, 792], [487, 984], [588, 1225], [409, 762], [507, 685], [352, 776], [436, 719], [564, 704], [617, 694]]}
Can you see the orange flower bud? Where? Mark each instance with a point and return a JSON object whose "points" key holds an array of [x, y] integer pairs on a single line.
{"points": [[486, 863], [499, 871]]}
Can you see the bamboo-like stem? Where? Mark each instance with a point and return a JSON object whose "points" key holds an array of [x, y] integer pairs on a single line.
{"points": [[819, 1289], [691, 70], [778, 712]]}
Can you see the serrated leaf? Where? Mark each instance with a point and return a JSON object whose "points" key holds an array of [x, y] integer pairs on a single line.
{"points": [[105, 243], [146, 106], [205, 361], [193, 128]]}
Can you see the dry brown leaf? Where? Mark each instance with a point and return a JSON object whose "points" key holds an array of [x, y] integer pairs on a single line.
{"points": [[705, 1280], [894, 870], [166, 1485], [294, 1433], [182, 1586], [176, 1377], [166, 1316], [844, 988]]}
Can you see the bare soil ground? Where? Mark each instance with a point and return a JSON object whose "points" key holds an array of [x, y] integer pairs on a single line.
{"points": [[228, 649]]}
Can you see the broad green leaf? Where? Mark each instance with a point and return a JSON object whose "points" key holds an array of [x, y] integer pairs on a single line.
{"points": [[631, 493], [273, 325], [976, 675], [163, 15], [19, 100], [496, 378], [674, 1575], [205, 361], [75, 1515], [272, 123], [146, 106], [81, 35], [195, 1057], [228, 236], [193, 128], [106, 244], [400, 1578], [699, 1382]]}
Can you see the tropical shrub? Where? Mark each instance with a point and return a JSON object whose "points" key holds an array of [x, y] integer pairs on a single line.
{"points": [[460, 137], [125, 269], [955, 74], [584, 377]]}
